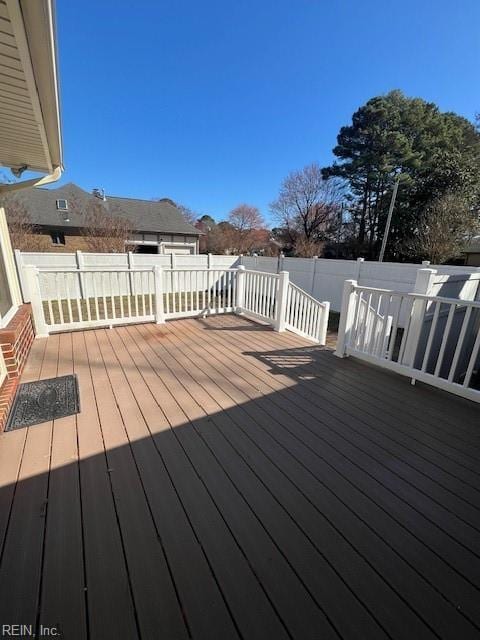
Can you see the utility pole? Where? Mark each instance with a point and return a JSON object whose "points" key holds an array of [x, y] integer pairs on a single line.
{"points": [[389, 218], [339, 229]]}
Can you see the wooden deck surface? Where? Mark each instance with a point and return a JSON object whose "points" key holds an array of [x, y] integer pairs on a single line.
{"points": [[224, 481]]}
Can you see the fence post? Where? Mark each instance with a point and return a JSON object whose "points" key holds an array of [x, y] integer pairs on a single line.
{"points": [[423, 285], [209, 261], [32, 281], [346, 317], [172, 261], [158, 281], [240, 289], [323, 325], [358, 269], [314, 268], [80, 265], [281, 302]]}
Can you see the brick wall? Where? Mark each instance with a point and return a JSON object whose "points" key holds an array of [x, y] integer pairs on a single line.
{"points": [[15, 342]]}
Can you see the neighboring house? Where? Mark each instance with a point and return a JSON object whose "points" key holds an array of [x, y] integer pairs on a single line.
{"points": [[59, 216], [472, 253]]}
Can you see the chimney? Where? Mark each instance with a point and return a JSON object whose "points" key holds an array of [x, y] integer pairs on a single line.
{"points": [[99, 193]]}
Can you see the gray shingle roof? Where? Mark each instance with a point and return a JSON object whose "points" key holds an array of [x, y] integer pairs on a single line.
{"points": [[144, 215]]}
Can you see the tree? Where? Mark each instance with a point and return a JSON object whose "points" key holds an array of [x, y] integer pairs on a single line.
{"points": [[445, 228], [188, 214], [103, 231], [244, 220], [436, 153], [23, 234], [307, 205]]}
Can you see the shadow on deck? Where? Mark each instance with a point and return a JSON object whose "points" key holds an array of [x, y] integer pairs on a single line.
{"points": [[223, 481]]}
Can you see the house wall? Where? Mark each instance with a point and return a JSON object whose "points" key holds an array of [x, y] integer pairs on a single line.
{"points": [[77, 242]]}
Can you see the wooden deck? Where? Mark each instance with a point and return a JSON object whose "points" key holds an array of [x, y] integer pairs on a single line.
{"points": [[223, 481]]}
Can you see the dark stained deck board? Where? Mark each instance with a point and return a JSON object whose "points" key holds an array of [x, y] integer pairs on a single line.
{"points": [[63, 601], [371, 548], [148, 572], [111, 612], [224, 475]]}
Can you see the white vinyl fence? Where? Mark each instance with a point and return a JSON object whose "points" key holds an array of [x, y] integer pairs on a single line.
{"points": [[323, 278], [67, 299], [440, 344]]}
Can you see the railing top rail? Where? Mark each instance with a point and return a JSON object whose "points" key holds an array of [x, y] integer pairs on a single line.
{"points": [[470, 303], [263, 273], [307, 295], [91, 269], [198, 269]]}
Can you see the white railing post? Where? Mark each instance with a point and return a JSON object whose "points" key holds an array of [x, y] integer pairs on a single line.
{"points": [[80, 265], [19, 262], [281, 302], [346, 317], [209, 261], [158, 280], [423, 285], [323, 324], [32, 281], [130, 264], [239, 302]]}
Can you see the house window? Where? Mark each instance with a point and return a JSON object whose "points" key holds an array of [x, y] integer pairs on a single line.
{"points": [[57, 237], [62, 205]]}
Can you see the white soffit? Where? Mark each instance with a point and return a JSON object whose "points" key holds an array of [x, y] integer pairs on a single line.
{"points": [[29, 104]]}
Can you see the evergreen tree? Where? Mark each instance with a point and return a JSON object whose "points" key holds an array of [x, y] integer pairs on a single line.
{"points": [[436, 153]]}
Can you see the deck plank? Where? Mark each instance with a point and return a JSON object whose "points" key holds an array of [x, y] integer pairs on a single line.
{"points": [[111, 613], [62, 602], [148, 573]]}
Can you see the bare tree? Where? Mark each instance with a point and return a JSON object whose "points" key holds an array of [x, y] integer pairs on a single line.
{"points": [[104, 231], [444, 230], [244, 220], [23, 234], [307, 204], [188, 214]]}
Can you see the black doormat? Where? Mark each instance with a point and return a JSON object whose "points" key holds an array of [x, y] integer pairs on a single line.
{"points": [[44, 400]]}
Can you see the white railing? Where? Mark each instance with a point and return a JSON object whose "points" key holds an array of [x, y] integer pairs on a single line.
{"points": [[198, 292], [66, 299], [440, 344], [259, 296], [306, 316]]}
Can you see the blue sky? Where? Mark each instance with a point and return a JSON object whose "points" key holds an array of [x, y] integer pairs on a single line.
{"points": [[213, 103]]}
